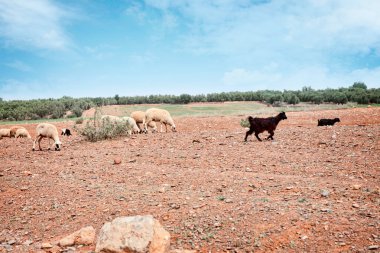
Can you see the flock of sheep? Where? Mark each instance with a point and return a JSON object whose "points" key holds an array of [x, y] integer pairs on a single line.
{"points": [[46, 130], [147, 119]]}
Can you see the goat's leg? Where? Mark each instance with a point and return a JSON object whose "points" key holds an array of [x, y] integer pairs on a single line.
{"points": [[257, 136], [249, 132], [271, 133]]}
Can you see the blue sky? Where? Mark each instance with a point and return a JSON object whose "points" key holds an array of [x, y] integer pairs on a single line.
{"points": [[89, 48]]}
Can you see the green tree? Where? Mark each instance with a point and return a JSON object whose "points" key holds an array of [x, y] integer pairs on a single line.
{"points": [[117, 98], [359, 85]]}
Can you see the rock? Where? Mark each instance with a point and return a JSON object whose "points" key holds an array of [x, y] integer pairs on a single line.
{"points": [[46, 245], [356, 186], [133, 234], [325, 193], [117, 160], [84, 236], [355, 205], [11, 242], [373, 247], [228, 201]]}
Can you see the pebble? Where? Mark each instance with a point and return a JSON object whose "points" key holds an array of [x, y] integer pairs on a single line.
{"points": [[11, 242], [325, 193], [117, 160], [356, 186], [228, 201], [355, 205], [373, 247], [46, 245]]}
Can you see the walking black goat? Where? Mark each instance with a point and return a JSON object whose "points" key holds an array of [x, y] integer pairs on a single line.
{"points": [[259, 125], [327, 122]]}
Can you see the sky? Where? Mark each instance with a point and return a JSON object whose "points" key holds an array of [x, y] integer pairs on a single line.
{"points": [[100, 48]]}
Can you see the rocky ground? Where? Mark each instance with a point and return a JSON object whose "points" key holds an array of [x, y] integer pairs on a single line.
{"points": [[312, 189]]}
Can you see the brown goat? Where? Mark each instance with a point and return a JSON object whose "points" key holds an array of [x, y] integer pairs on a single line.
{"points": [[259, 125]]}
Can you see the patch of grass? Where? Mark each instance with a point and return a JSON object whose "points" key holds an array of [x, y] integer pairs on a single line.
{"points": [[302, 200], [221, 198]]}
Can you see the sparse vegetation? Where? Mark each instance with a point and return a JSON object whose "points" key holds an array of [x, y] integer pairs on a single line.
{"points": [[97, 129], [244, 123]]}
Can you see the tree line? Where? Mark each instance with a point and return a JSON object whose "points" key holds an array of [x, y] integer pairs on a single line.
{"points": [[58, 108]]}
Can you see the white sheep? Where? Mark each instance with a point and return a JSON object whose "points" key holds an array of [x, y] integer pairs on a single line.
{"points": [[22, 133], [158, 115], [14, 130], [132, 123], [46, 130], [139, 116], [5, 132]]}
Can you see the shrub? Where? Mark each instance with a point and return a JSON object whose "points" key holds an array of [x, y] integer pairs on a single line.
{"points": [[79, 121], [244, 123], [98, 129]]}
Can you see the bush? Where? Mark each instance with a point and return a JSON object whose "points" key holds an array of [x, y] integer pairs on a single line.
{"points": [[98, 129], [244, 123], [79, 121]]}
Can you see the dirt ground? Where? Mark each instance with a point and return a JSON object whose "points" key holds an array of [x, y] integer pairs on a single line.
{"points": [[312, 189]]}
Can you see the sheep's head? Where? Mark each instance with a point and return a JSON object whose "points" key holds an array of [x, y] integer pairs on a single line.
{"points": [[337, 120], [173, 128], [58, 145]]}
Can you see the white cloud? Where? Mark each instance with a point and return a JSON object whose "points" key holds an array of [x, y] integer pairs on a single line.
{"points": [[33, 24], [230, 27], [19, 65]]}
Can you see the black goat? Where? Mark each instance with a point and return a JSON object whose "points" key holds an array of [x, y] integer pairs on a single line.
{"points": [[327, 122], [66, 131], [259, 125]]}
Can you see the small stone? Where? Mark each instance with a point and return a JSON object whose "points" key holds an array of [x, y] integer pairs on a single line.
{"points": [[356, 186], [355, 205], [117, 160], [46, 245], [304, 237], [228, 201], [24, 188], [28, 173], [11, 242], [325, 193], [373, 247], [28, 242]]}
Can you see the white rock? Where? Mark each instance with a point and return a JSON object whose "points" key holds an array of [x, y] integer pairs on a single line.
{"points": [[133, 234]]}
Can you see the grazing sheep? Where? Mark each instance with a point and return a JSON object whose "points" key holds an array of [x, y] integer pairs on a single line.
{"points": [[66, 131], [132, 123], [259, 125], [160, 115], [22, 133], [139, 116], [327, 122], [5, 132], [14, 130], [46, 130]]}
